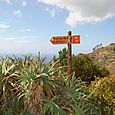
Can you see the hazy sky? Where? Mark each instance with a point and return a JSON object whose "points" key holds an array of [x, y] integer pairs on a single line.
{"points": [[27, 25]]}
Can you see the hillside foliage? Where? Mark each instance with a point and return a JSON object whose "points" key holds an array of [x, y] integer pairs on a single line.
{"points": [[87, 70], [105, 57], [83, 66], [104, 90], [30, 86]]}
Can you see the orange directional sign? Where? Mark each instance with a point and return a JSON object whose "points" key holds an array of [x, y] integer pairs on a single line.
{"points": [[59, 40], [76, 39], [65, 39]]}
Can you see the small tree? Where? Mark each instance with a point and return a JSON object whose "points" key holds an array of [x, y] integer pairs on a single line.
{"points": [[63, 57]]}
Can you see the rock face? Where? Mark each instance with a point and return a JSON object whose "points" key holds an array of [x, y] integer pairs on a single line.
{"points": [[105, 56]]}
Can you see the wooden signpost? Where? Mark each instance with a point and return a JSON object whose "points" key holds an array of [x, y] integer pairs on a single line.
{"points": [[69, 39], [65, 39]]}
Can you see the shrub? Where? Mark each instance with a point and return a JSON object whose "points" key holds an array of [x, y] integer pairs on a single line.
{"points": [[87, 70], [104, 90]]}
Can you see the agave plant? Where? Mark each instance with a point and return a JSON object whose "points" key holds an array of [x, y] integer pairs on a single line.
{"points": [[35, 79], [72, 99], [8, 78]]}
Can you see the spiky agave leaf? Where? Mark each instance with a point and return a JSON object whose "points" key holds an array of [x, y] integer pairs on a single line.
{"points": [[51, 107], [7, 81]]}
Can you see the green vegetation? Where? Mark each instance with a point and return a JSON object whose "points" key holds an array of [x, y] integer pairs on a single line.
{"points": [[87, 70], [104, 90], [28, 86], [105, 57], [83, 66]]}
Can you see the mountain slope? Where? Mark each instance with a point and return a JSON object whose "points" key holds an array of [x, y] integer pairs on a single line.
{"points": [[105, 56]]}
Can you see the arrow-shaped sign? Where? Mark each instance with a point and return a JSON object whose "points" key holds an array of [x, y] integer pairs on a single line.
{"points": [[65, 39]]}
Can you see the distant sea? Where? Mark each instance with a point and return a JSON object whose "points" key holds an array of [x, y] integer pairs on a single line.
{"points": [[42, 56]]}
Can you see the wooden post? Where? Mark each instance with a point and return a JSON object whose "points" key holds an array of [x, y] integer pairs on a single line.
{"points": [[69, 57], [69, 40], [38, 55]]}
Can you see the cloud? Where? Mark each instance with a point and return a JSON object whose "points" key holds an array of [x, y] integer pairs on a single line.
{"points": [[26, 30], [85, 11], [8, 1], [9, 38], [17, 12], [24, 3], [51, 12], [23, 41], [4, 26]]}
